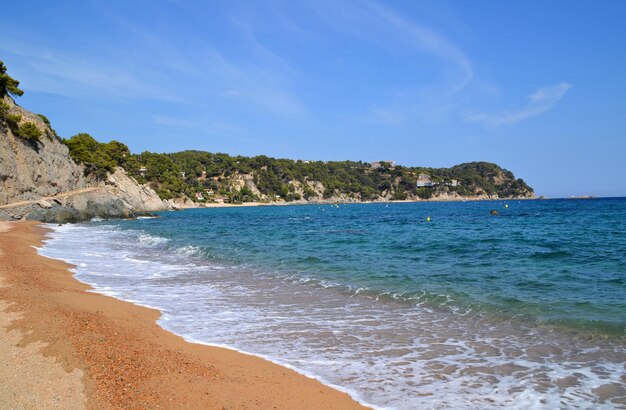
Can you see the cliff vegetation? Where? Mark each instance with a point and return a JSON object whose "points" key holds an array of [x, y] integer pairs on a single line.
{"points": [[204, 176], [197, 176]]}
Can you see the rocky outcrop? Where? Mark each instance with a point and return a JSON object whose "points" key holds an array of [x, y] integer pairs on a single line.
{"points": [[29, 169], [181, 203], [137, 197], [39, 181]]}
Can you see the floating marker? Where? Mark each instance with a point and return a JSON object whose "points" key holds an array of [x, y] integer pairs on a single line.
{"points": [[428, 219], [506, 205]]}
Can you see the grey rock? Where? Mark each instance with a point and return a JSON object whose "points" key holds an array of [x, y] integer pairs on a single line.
{"points": [[40, 181], [44, 204]]}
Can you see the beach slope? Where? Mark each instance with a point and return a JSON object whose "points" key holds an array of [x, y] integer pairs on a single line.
{"points": [[113, 353]]}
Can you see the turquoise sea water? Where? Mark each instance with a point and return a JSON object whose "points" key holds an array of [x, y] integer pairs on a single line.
{"points": [[523, 309]]}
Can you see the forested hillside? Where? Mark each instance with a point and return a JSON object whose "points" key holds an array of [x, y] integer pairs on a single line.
{"points": [[205, 177]]}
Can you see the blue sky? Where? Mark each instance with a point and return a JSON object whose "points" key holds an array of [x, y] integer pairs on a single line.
{"points": [[537, 87]]}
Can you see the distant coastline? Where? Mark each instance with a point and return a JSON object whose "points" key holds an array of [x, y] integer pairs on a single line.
{"points": [[340, 202]]}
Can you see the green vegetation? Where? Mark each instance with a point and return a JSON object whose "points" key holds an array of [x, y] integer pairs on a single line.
{"points": [[4, 109], [29, 131], [12, 121], [47, 122], [8, 85], [98, 158], [212, 175]]}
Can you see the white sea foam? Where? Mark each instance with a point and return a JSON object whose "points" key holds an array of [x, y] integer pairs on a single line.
{"points": [[381, 351], [151, 240], [189, 250]]}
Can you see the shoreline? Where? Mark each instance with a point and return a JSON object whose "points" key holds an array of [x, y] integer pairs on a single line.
{"points": [[342, 202], [127, 360]]}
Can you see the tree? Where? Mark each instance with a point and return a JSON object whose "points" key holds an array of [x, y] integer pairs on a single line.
{"points": [[82, 147], [8, 84]]}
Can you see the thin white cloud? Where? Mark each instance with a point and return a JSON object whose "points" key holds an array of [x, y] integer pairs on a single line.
{"points": [[58, 72], [383, 27], [174, 122], [379, 24], [432, 42], [260, 83], [541, 101], [213, 126], [257, 78], [386, 116], [251, 72]]}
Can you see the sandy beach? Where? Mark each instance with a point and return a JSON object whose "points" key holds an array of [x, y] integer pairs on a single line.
{"points": [[64, 347]]}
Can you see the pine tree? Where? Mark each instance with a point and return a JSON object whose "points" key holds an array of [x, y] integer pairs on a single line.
{"points": [[8, 84]]}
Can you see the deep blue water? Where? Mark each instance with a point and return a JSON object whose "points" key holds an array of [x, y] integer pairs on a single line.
{"points": [[526, 309]]}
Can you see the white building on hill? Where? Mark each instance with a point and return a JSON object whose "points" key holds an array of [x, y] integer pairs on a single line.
{"points": [[423, 180], [379, 164]]}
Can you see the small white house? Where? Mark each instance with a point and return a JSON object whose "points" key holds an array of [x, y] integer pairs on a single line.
{"points": [[423, 180], [378, 164]]}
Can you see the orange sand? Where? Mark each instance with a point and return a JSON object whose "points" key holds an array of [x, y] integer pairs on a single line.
{"points": [[126, 359]]}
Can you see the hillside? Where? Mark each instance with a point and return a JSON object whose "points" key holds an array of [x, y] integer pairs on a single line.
{"points": [[39, 180], [206, 177], [45, 177]]}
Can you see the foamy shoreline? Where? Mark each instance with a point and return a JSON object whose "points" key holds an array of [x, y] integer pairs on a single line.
{"points": [[274, 311], [63, 312], [162, 322], [343, 202]]}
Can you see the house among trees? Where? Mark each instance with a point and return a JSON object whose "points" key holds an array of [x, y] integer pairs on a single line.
{"points": [[423, 180], [386, 164], [199, 196]]}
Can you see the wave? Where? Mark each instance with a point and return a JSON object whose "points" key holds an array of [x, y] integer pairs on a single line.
{"points": [[392, 349], [148, 239]]}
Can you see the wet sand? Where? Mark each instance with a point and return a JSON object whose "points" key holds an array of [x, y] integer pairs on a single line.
{"points": [[65, 347]]}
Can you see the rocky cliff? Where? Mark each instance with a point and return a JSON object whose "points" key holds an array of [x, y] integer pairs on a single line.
{"points": [[39, 180]]}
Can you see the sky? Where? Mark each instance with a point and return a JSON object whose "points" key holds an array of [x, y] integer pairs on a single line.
{"points": [[537, 87]]}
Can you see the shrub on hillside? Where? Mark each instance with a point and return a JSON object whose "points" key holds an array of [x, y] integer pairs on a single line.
{"points": [[13, 120], [29, 131], [47, 122]]}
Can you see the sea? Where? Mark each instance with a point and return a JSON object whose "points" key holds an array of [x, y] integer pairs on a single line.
{"points": [[429, 305]]}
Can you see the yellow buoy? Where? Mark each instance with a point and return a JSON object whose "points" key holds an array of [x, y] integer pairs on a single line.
{"points": [[428, 219], [506, 205]]}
